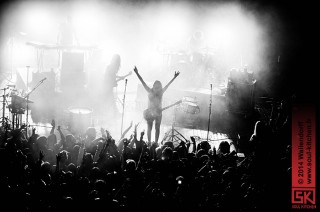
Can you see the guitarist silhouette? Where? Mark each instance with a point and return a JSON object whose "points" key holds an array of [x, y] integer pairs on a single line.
{"points": [[154, 111], [111, 73], [110, 83]]}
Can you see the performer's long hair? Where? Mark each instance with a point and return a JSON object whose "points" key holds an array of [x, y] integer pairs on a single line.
{"points": [[115, 62], [157, 87]]}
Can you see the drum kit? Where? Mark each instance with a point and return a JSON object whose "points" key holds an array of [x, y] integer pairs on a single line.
{"points": [[17, 105], [182, 58], [189, 107], [79, 119]]}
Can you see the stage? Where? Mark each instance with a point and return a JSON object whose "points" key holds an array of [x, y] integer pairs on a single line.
{"points": [[190, 118]]}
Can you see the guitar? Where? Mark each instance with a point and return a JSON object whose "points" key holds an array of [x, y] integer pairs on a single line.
{"points": [[151, 114], [121, 78]]}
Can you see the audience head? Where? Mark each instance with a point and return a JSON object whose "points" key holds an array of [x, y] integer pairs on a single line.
{"points": [[224, 148], [70, 139], [72, 168], [115, 60], [42, 142], [200, 152], [168, 144], [130, 165], [91, 133], [167, 154], [64, 156], [88, 159], [205, 146], [137, 175], [52, 140]]}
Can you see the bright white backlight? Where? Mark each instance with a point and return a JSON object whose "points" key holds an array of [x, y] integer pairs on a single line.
{"points": [[38, 21]]}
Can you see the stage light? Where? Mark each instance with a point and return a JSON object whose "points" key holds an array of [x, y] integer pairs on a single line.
{"points": [[171, 25], [89, 22], [38, 21], [235, 36]]}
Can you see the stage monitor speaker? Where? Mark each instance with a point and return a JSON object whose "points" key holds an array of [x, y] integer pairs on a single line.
{"points": [[240, 97]]}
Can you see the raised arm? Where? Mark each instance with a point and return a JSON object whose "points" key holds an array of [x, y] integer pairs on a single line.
{"points": [[126, 131], [134, 137], [53, 124], [63, 138], [141, 80], [118, 78], [193, 144], [169, 83]]}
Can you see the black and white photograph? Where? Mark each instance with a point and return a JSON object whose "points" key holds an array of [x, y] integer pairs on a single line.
{"points": [[159, 105]]}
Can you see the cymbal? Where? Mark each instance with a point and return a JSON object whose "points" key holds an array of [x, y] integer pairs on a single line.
{"points": [[265, 97], [80, 110], [189, 99]]}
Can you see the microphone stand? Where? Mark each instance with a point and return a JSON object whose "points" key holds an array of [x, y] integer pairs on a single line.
{"points": [[123, 102], [209, 112], [3, 105], [27, 97]]}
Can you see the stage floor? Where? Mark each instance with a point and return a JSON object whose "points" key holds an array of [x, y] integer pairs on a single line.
{"points": [[67, 116]]}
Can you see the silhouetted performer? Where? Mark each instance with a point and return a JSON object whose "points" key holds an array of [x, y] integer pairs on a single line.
{"points": [[110, 82], [197, 46], [154, 111], [67, 35]]}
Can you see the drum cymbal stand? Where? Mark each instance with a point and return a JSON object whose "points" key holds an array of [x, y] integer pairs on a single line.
{"points": [[3, 105], [123, 102], [5, 124], [173, 135]]}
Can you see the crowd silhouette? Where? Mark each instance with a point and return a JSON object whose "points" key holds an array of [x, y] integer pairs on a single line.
{"points": [[95, 172]]}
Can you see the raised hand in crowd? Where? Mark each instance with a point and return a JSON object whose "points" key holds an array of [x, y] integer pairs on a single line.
{"points": [[103, 133], [141, 136], [126, 130], [135, 70], [176, 74], [62, 137], [108, 135], [53, 124], [193, 141], [135, 132], [33, 138]]}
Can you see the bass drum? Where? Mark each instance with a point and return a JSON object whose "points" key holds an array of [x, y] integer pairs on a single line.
{"points": [[80, 118], [189, 105], [190, 108]]}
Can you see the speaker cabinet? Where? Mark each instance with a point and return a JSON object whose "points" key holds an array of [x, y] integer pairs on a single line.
{"points": [[72, 70]]}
